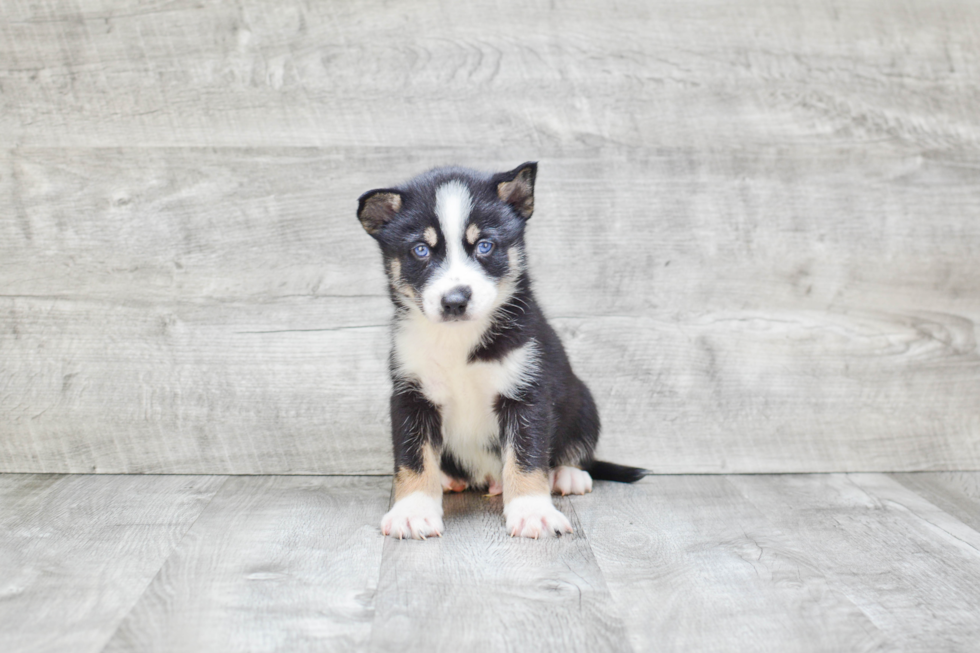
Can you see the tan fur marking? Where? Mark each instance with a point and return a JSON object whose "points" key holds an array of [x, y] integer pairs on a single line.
{"points": [[430, 236], [408, 481], [472, 233], [395, 269], [519, 483]]}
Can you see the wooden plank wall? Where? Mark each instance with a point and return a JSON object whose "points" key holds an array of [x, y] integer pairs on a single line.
{"points": [[757, 226]]}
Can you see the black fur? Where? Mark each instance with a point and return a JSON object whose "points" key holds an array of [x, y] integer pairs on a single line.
{"points": [[414, 420], [603, 471]]}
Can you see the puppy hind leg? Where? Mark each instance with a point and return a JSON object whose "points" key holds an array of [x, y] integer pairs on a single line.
{"points": [[494, 487], [569, 480], [450, 484]]}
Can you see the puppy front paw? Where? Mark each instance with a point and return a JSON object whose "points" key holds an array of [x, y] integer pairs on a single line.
{"points": [[535, 516], [417, 516], [570, 480]]}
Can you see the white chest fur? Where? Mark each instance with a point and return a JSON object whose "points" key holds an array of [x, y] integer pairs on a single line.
{"points": [[436, 355]]}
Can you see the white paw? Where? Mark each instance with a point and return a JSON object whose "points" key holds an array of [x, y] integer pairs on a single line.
{"points": [[450, 484], [418, 515], [570, 480], [534, 516]]}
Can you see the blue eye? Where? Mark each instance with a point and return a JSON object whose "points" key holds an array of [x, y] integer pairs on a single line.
{"points": [[484, 247], [421, 251]]}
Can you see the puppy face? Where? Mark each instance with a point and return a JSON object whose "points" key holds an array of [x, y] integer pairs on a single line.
{"points": [[452, 239]]}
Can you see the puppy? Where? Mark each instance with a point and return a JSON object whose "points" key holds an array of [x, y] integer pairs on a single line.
{"points": [[483, 393]]}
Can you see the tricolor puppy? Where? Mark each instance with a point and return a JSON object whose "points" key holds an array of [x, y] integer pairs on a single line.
{"points": [[484, 395]]}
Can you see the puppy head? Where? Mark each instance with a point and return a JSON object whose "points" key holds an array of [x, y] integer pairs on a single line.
{"points": [[452, 238]]}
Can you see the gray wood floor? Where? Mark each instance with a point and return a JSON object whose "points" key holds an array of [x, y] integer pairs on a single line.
{"points": [[782, 563]]}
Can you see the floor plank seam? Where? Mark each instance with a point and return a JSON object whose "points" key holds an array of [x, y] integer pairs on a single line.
{"points": [[574, 516], [931, 524], [381, 564], [833, 580], [123, 616]]}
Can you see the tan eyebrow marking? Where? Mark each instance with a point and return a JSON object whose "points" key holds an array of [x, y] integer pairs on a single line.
{"points": [[472, 233], [430, 236]]}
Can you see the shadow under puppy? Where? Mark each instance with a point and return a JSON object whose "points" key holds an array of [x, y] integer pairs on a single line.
{"points": [[484, 395]]}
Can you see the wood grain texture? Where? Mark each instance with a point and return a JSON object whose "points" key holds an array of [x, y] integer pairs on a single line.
{"points": [[176, 386], [190, 310], [756, 225], [77, 551], [918, 583], [898, 497], [536, 73], [477, 589], [956, 493], [273, 564], [693, 566], [786, 563]]}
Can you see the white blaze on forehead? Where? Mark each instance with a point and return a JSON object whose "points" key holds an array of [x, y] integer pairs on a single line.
{"points": [[453, 206]]}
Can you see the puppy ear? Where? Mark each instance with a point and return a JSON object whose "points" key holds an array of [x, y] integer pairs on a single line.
{"points": [[376, 208], [517, 187]]}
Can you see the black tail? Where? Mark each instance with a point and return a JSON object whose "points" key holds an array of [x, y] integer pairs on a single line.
{"points": [[603, 471]]}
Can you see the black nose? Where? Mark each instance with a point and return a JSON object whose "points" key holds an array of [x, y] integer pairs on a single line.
{"points": [[454, 301]]}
